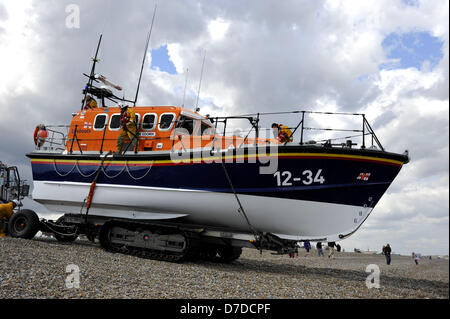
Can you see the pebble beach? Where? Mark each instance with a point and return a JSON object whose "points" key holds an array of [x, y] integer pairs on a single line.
{"points": [[39, 269]]}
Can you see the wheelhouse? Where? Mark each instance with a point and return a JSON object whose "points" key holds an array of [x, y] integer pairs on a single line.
{"points": [[160, 128]]}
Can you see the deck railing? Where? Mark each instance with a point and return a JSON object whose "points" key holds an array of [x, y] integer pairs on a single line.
{"points": [[258, 126]]}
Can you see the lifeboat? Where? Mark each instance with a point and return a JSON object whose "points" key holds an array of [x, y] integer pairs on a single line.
{"points": [[188, 174], [179, 172]]}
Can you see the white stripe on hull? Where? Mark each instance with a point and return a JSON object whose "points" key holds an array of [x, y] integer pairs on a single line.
{"points": [[292, 219]]}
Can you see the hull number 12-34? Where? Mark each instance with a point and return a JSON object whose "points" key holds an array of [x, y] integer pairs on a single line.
{"points": [[285, 178]]}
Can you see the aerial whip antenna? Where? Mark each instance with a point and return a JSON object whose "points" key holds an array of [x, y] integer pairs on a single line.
{"points": [[200, 83], [145, 54], [91, 77], [185, 84]]}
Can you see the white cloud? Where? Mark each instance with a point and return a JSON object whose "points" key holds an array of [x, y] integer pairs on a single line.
{"points": [[174, 55], [218, 28], [16, 45]]}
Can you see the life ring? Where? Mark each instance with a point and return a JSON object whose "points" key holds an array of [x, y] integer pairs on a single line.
{"points": [[40, 135]]}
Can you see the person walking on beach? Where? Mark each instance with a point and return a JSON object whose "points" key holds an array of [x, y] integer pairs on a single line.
{"points": [[307, 246], [387, 253], [319, 249], [331, 246], [415, 257]]}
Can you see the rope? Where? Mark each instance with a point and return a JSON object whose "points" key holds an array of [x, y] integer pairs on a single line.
{"points": [[102, 167], [79, 171], [138, 178], [56, 170], [241, 208], [108, 176]]}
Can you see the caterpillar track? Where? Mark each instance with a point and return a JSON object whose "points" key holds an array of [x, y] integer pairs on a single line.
{"points": [[163, 243]]}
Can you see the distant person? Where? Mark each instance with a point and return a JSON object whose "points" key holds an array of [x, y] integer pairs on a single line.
{"points": [[319, 249], [338, 248], [415, 258], [387, 253], [282, 132], [6, 211], [90, 103], [331, 246], [307, 246]]}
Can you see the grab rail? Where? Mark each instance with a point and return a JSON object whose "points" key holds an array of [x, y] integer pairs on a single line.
{"points": [[61, 139]]}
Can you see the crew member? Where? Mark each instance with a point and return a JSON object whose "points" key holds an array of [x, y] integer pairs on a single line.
{"points": [[6, 211], [91, 103], [282, 132], [128, 125]]}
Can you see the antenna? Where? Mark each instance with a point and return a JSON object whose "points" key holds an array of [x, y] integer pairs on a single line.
{"points": [[91, 77], [145, 54], [185, 84], [200, 83]]}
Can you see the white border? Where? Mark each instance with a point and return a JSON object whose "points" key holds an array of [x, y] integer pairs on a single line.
{"points": [[104, 125], [171, 124], [110, 120], [154, 122]]}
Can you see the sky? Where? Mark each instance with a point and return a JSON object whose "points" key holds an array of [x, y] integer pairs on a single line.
{"points": [[388, 59]]}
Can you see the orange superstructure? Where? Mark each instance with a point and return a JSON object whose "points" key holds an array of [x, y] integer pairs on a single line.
{"points": [[160, 128]]}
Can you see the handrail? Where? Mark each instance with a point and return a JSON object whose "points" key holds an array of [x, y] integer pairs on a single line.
{"points": [[301, 125], [254, 119]]}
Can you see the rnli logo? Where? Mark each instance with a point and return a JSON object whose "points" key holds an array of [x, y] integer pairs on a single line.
{"points": [[363, 176]]}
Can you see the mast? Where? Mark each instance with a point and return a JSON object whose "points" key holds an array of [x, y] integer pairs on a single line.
{"points": [[200, 83], [91, 77], [143, 59], [185, 85]]}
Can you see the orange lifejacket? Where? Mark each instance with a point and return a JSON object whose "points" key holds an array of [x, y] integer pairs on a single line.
{"points": [[284, 134]]}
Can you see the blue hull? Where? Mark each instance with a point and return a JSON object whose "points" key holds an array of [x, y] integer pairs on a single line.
{"points": [[350, 177]]}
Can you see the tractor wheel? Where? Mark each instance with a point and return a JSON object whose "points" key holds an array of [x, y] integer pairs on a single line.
{"points": [[24, 224]]}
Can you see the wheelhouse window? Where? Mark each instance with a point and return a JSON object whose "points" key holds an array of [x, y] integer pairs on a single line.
{"points": [[148, 121], [165, 121], [206, 129], [100, 122], [186, 123], [114, 123]]}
